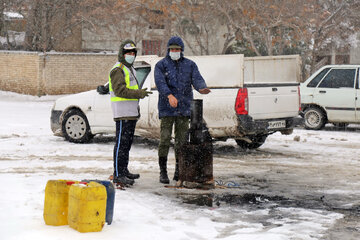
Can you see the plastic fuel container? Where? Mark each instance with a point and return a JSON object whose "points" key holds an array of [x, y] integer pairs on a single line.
{"points": [[56, 202], [87, 207], [110, 191]]}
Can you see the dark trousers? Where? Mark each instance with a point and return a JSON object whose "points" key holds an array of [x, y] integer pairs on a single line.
{"points": [[181, 128], [124, 137]]}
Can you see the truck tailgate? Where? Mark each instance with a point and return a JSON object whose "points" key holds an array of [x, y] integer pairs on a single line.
{"points": [[269, 101], [219, 114]]}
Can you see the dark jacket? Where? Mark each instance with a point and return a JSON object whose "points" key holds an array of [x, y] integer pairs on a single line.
{"points": [[177, 78], [118, 80]]}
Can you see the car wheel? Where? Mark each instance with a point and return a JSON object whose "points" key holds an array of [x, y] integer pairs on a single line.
{"points": [[75, 127], [314, 118], [257, 141]]}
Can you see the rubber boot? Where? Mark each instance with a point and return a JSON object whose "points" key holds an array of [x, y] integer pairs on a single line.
{"points": [[163, 170], [132, 175], [176, 174]]}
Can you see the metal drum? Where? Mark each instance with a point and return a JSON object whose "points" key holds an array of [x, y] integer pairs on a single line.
{"points": [[196, 155]]}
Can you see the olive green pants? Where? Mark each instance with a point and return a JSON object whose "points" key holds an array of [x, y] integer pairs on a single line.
{"points": [[181, 128]]}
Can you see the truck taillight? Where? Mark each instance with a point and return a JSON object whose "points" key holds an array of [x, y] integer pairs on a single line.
{"points": [[299, 99], [242, 102]]}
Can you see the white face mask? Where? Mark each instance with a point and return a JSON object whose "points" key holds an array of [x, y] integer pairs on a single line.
{"points": [[174, 55], [129, 58]]}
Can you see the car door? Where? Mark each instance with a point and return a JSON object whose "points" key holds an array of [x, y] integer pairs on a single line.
{"points": [[357, 97], [102, 105], [336, 93], [103, 117], [309, 86]]}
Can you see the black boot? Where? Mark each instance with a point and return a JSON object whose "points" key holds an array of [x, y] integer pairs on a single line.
{"points": [[163, 170], [176, 174], [123, 180], [132, 175]]}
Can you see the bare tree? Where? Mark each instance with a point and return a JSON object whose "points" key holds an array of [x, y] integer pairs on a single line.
{"points": [[272, 26], [50, 22], [157, 14], [6, 7], [201, 27], [122, 19], [3, 4], [110, 17], [265, 25], [327, 22], [195, 21]]}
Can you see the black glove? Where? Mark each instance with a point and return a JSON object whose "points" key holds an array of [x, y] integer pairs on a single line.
{"points": [[144, 93]]}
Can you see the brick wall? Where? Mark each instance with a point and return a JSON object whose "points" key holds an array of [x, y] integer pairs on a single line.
{"points": [[19, 72], [53, 73]]}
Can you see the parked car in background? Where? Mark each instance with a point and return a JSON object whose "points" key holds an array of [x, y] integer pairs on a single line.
{"points": [[250, 99], [331, 95]]}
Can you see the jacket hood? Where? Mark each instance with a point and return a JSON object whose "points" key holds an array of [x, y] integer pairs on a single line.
{"points": [[175, 41], [121, 57]]}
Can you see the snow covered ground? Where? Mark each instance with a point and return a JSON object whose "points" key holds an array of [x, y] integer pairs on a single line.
{"points": [[302, 186]]}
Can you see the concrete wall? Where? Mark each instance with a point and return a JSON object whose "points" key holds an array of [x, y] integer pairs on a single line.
{"points": [[53, 73]]}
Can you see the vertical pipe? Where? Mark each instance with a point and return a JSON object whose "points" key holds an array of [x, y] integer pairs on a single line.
{"points": [[196, 114]]}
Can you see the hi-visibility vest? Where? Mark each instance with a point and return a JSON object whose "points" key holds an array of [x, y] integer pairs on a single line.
{"points": [[124, 107]]}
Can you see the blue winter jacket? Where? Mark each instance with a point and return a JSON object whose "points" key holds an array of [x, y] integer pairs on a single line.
{"points": [[177, 78]]}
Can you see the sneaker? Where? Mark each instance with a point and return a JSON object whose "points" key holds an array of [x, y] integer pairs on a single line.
{"points": [[132, 175], [123, 180]]}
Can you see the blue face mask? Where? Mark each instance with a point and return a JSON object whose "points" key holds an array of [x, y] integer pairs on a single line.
{"points": [[129, 58], [175, 55]]}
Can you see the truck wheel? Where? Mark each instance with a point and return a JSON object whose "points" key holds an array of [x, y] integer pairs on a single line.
{"points": [[257, 141], [314, 118], [75, 127]]}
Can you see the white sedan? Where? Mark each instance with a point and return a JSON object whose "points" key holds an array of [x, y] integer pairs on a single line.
{"points": [[78, 117]]}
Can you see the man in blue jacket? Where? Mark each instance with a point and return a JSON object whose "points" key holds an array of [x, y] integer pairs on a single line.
{"points": [[175, 76]]}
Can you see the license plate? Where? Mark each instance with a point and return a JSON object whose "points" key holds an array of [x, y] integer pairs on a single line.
{"points": [[277, 124]]}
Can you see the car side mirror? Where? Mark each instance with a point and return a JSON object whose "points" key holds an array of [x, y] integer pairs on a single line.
{"points": [[101, 89]]}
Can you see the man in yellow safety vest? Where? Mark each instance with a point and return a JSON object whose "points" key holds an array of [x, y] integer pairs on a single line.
{"points": [[125, 95]]}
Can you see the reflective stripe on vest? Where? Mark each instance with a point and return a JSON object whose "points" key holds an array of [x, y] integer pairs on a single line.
{"points": [[129, 84]]}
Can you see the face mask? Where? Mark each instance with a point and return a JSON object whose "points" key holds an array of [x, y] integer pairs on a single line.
{"points": [[174, 55], [129, 58]]}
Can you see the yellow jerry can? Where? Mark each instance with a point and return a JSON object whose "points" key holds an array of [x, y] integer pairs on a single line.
{"points": [[56, 202], [87, 207]]}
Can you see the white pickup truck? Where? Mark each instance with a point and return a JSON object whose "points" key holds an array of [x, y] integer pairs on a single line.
{"points": [[250, 98]]}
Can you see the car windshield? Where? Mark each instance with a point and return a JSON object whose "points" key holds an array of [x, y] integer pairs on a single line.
{"points": [[141, 74], [313, 83]]}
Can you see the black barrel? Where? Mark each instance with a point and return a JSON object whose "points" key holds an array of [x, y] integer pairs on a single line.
{"points": [[196, 155]]}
